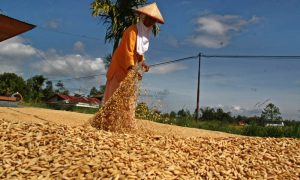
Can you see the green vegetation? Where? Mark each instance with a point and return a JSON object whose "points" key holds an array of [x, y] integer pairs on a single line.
{"points": [[218, 120], [35, 90]]}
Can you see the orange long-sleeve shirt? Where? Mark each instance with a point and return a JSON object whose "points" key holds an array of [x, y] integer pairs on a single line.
{"points": [[125, 55]]}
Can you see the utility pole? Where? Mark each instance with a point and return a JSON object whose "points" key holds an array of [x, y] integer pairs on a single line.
{"points": [[198, 89]]}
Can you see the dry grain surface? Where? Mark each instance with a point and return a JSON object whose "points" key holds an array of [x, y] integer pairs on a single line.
{"points": [[37, 115], [57, 151]]}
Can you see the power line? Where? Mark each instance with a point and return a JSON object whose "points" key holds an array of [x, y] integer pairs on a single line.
{"points": [[174, 61], [250, 56], [197, 56], [153, 65]]}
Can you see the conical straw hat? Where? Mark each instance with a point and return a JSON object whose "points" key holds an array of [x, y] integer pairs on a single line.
{"points": [[152, 11]]}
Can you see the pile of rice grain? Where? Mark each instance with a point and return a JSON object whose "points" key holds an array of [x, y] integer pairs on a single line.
{"points": [[116, 115], [52, 151]]}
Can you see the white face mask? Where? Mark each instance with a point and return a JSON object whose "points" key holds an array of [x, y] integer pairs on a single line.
{"points": [[143, 36]]}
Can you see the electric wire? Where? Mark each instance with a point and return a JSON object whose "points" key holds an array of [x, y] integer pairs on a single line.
{"points": [[194, 57]]}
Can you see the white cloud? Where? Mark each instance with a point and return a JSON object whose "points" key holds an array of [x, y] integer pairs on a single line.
{"points": [[219, 106], [50, 52], [16, 48], [78, 46], [168, 68], [210, 41], [236, 108], [53, 23], [14, 53], [70, 65], [216, 31]]}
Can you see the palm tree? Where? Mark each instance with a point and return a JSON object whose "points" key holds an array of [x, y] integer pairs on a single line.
{"points": [[107, 60], [117, 15]]}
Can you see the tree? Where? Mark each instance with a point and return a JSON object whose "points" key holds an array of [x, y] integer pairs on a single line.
{"points": [[271, 113], [61, 88], [93, 92], [222, 116], [48, 91], [173, 115], [207, 113], [117, 15], [184, 113], [165, 115], [34, 87], [102, 89], [11, 83]]}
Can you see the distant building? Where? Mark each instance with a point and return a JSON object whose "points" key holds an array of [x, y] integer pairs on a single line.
{"points": [[8, 101], [275, 124], [75, 101], [242, 123]]}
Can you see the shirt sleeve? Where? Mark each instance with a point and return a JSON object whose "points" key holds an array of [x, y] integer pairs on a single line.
{"points": [[129, 39]]}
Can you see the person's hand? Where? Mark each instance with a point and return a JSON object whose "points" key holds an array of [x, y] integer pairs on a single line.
{"points": [[130, 68], [146, 67], [139, 57]]}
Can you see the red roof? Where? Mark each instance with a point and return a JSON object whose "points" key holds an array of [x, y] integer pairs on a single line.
{"points": [[5, 98], [75, 99]]}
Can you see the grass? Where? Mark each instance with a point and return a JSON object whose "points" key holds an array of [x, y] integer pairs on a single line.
{"points": [[286, 131], [291, 131]]}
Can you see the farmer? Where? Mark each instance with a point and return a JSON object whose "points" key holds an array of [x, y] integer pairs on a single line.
{"points": [[134, 44]]}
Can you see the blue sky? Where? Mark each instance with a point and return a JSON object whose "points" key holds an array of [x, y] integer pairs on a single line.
{"points": [[244, 27]]}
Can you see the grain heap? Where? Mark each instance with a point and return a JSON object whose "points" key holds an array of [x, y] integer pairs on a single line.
{"points": [[51, 151], [115, 114]]}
